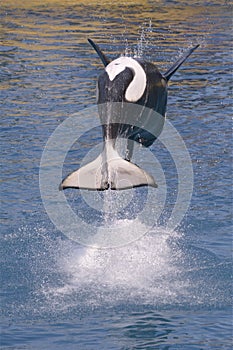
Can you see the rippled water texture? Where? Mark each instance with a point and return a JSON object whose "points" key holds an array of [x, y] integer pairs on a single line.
{"points": [[167, 289]]}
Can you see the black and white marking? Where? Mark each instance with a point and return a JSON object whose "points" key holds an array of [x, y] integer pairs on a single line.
{"points": [[125, 81]]}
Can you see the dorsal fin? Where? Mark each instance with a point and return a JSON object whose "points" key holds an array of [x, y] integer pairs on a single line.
{"points": [[178, 63], [101, 55]]}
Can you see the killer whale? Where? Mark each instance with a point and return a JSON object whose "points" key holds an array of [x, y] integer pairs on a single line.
{"points": [[125, 81]]}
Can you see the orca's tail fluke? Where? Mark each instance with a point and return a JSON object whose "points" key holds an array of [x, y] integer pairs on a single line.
{"points": [[100, 53], [178, 63], [116, 174]]}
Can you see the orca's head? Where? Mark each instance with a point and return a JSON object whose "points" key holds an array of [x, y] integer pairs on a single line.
{"points": [[124, 79]]}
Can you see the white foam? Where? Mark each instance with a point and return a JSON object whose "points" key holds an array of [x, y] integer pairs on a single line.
{"points": [[144, 269]]}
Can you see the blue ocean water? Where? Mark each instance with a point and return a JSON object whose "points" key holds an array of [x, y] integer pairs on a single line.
{"points": [[167, 289]]}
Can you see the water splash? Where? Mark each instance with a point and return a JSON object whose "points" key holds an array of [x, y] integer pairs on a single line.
{"points": [[142, 42], [143, 271], [109, 208], [158, 270]]}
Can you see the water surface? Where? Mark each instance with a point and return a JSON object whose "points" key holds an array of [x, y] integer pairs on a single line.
{"points": [[169, 289]]}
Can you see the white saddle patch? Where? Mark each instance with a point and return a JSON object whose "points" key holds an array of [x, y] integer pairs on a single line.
{"points": [[137, 86]]}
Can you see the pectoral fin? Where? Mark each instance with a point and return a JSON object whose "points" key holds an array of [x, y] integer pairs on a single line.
{"points": [[178, 63], [100, 53]]}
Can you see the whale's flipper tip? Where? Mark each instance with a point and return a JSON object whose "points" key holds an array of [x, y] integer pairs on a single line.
{"points": [[99, 52], [179, 62]]}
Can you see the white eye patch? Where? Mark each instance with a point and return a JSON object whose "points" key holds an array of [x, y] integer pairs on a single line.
{"points": [[137, 86]]}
